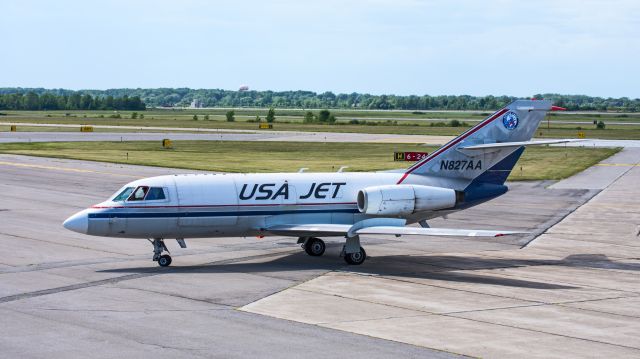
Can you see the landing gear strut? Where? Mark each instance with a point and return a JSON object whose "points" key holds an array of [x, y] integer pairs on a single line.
{"points": [[313, 246], [164, 260]]}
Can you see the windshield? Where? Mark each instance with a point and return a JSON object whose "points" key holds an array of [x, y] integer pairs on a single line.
{"points": [[123, 195], [139, 193], [155, 194]]}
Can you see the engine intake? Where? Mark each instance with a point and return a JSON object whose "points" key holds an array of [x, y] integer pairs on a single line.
{"points": [[402, 200]]}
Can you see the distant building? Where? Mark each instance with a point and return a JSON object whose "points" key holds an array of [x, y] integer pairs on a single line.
{"points": [[243, 88], [196, 103]]}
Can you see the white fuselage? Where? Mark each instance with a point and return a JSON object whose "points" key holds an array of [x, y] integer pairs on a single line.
{"points": [[216, 205]]}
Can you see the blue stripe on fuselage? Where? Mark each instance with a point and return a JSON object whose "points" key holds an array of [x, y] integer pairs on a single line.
{"points": [[118, 214]]}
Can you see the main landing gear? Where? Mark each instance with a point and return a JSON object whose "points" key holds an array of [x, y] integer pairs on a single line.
{"points": [[352, 252], [314, 247], [355, 258]]}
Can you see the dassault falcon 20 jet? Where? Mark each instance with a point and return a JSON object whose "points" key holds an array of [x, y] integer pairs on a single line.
{"points": [[470, 169]]}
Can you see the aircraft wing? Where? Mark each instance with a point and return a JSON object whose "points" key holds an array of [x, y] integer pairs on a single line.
{"points": [[418, 231], [303, 230]]}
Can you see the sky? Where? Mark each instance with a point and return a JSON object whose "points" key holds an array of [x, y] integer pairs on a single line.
{"points": [[402, 47]]}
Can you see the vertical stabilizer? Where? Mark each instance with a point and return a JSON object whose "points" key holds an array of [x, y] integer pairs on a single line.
{"points": [[516, 122]]}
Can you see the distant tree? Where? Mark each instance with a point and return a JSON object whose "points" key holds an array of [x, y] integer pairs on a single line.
{"points": [[258, 119], [600, 125], [195, 117], [32, 101], [134, 115], [142, 116], [332, 118], [309, 117], [230, 115], [138, 99], [323, 115], [271, 115], [108, 104], [206, 117]]}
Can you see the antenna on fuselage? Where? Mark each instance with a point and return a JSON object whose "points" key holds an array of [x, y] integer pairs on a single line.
{"points": [[342, 169], [302, 169]]}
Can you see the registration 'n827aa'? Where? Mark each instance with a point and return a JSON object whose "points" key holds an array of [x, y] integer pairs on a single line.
{"points": [[460, 165]]}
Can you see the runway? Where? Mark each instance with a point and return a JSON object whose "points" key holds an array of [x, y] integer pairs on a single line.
{"points": [[246, 135], [572, 291]]}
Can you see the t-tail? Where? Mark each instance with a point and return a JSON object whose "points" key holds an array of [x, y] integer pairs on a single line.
{"points": [[477, 163]]}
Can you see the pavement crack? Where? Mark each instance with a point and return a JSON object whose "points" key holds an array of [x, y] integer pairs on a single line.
{"points": [[227, 306]]}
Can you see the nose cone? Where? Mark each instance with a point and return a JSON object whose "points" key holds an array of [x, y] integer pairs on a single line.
{"points": [[79, 222]]}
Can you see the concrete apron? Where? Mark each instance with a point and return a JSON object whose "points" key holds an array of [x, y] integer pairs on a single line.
{"points": [[572, 292]]}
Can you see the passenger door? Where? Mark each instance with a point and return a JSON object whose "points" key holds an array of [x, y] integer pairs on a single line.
{"points": [[207, 200]]}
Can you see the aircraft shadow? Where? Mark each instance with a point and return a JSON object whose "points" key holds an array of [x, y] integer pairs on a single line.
{"points": [[429, 267]]}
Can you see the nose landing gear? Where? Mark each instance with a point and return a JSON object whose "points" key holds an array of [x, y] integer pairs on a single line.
{"points": [[164, 260]]}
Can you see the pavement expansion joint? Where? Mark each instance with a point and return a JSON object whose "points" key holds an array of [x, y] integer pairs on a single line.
{"points": [[375, 319], [599, 311], [453, 288], [545, 332]]}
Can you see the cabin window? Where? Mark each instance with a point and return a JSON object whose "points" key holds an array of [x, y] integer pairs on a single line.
{"points": [[139, 193], [155, 194], [123, 195]]}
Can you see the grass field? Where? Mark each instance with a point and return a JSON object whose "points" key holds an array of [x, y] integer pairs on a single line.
{"points": [[537, 163], [291, 120]]}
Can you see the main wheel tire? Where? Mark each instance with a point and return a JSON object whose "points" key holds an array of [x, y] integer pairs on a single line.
{"points": [[164, 260], [356, 258], [315, 247]]}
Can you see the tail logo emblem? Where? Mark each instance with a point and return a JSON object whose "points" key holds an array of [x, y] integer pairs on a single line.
{"points": [[510, 120]]}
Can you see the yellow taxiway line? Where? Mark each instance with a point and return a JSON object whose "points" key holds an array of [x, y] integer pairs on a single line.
{"points": [[67, 169]]}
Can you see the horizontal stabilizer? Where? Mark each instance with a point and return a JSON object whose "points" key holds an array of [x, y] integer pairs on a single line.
{"points": [[487, 146], [303, 230]]}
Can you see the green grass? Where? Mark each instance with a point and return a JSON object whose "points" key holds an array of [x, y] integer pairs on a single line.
{"points": [[291, 120], [537, 163]]}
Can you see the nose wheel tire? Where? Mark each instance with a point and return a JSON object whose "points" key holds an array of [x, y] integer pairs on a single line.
{"points": [[315, 247], [355, 258], [164, 260]]}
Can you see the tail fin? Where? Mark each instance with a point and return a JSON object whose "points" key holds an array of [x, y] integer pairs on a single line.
{"points": [[451, 163]]}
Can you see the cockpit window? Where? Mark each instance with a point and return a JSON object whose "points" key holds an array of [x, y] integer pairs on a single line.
{"points": [[123, 195], [154, 194], [139, 193]]}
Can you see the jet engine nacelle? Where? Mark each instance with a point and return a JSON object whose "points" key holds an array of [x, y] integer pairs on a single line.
{"points": [[402, 200]]}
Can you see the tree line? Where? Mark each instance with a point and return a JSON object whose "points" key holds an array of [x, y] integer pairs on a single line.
{"points": [[33, 101], [182, 97]]}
